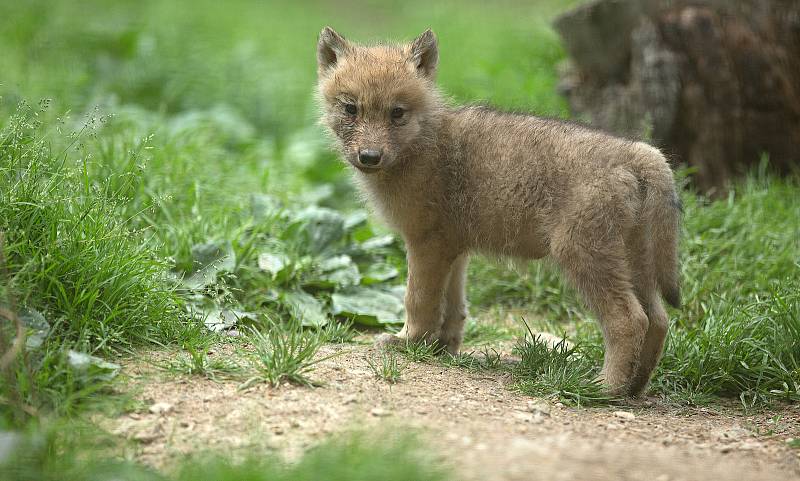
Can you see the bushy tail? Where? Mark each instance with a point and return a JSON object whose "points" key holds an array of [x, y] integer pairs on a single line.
{"points": [[665, 221], [662, 211]]}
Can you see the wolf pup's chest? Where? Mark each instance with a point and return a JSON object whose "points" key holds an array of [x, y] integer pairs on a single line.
{"points": [[410, 208]]}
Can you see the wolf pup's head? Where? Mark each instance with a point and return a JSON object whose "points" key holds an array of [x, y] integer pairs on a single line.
{"points": [[377, 101]]}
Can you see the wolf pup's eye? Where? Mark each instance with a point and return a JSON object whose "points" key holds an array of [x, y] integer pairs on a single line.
{"points": [[351, 109], [397, 113]]}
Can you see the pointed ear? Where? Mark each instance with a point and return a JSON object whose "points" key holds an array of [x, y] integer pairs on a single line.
{"points": [[330, 48], [425, 53]]}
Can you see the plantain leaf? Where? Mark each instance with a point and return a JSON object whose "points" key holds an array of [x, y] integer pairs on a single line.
{"points": [[380, 272], [337, 271], [377, 242], [90, 367], [368, 306], [355, 219], [304, 307], [322, 228], [209, 260], [273, 263], [219, 320]]}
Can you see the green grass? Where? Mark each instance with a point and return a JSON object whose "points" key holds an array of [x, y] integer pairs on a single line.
{"points": [[197, 362], [421, 351], [71, 254], [478, 333], [386, 366], [53, 456], [566, 372], [259, 58], [748, 350], [80, 276], [285, 353], [358, 457]]}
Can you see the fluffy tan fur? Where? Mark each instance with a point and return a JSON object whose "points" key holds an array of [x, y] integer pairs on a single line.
{"points": [[455, 180]]}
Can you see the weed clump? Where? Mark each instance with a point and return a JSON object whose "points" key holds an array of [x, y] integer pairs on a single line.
{"points": [[386, 366], [286, 353]]}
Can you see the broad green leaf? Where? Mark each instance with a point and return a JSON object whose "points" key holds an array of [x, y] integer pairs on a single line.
{"points": [[264, 207], [317, 194], [304, 148], [33, 319], [377, 242], [222, 121], [322, 227], [345, 277], [335, 262], [304, 307], [38, 328], [272, 263], [337, 271], [209, 260], [218, 320], [399, 292], [355, 219], [368, 306], [91, 367], [380, 272]]}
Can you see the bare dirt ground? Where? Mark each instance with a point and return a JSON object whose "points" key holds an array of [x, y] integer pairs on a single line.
{"points": [[475, 424]]}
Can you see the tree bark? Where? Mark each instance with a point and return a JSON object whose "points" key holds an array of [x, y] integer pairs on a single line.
{"points": [[714, 83]]}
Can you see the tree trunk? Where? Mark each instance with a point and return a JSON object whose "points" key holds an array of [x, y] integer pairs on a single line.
{"points": [[714, 83]]}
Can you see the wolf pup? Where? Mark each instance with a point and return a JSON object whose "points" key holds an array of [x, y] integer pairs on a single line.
{"points": [[455, 180]]}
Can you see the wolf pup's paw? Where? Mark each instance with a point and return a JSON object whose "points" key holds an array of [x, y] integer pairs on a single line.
{"points": [[615, 387], [389, 341], [451, 344]]}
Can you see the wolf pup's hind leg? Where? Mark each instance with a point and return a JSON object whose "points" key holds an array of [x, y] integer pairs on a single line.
{"points": [[589, 245]]}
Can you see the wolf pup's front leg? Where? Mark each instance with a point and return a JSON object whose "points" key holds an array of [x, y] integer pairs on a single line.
{"points": [[455, 307], [429, 266]]}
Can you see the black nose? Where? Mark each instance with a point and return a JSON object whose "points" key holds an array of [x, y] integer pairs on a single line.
{"points": [[369, 157]]}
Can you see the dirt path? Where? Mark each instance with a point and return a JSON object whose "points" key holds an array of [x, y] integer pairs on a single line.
{"points": [[478, 426]]}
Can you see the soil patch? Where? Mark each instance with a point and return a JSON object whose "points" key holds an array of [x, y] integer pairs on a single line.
{"points": [[476, 424]]}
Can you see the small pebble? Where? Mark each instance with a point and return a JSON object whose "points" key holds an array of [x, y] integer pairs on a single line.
{"points": [[539, 407], [160, 408], [146, 437], [379, 412], [624, 415], [524, 417]]}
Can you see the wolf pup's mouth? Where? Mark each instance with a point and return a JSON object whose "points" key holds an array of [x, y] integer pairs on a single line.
{"points": [[367, 169]]}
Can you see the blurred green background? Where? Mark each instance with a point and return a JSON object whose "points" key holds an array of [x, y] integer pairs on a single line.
{"points": [[259, 57], [249, 69]]}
